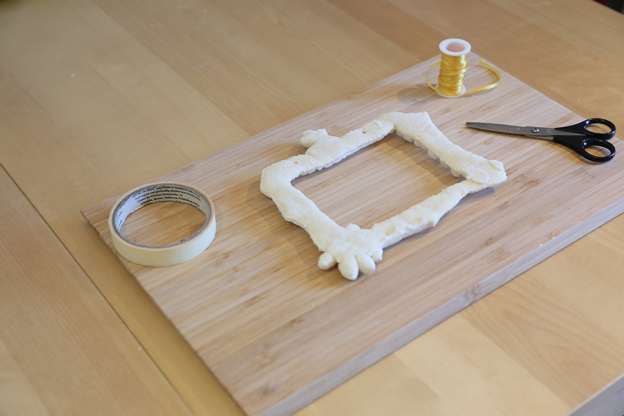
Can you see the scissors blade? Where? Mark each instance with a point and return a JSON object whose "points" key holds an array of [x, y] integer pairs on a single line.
{"points": [[528, 131]]}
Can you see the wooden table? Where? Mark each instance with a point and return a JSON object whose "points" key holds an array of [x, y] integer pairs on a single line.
{"points": [[99, 96]]}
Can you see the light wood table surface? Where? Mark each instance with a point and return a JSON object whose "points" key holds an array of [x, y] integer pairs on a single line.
{"points": [[98, 96]]}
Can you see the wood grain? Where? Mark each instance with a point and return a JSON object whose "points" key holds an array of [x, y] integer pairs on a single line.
{"points": [[99, 96], [277, 331], [51, 362]]}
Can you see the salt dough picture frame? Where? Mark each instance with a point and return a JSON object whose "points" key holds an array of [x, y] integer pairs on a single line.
{"points": [[354, 249]]}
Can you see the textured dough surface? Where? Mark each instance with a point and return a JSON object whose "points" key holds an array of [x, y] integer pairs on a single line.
{"points": [[354, 249]]}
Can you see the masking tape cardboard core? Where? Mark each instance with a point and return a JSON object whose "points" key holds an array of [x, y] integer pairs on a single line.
{"points": [[162, 255]]}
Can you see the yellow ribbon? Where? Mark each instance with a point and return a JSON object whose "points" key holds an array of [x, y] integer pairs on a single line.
{"points": [[451, 78]]}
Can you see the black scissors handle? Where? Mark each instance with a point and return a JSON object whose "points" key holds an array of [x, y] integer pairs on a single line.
{"points": [[581, 128], [580, 144]]}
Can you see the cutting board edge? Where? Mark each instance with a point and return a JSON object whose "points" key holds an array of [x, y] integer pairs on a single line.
{"points": [[433, 318]]}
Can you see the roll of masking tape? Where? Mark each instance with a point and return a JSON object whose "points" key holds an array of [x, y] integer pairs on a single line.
{"points": [[162, 255]]}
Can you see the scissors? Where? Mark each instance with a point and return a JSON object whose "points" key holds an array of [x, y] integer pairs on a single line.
{"points": [[577, 136]]}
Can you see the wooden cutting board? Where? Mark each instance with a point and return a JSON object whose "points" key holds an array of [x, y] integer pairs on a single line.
{"points": [[277, 331]]}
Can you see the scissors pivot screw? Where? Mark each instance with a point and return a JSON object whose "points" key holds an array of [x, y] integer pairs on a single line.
{"points": [[535, 130]]}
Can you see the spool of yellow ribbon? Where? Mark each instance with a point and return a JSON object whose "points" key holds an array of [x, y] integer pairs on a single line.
{"points": [[453, 66]]}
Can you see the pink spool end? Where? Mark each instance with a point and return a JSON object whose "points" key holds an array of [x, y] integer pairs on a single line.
{"points": [[454, 47]]}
